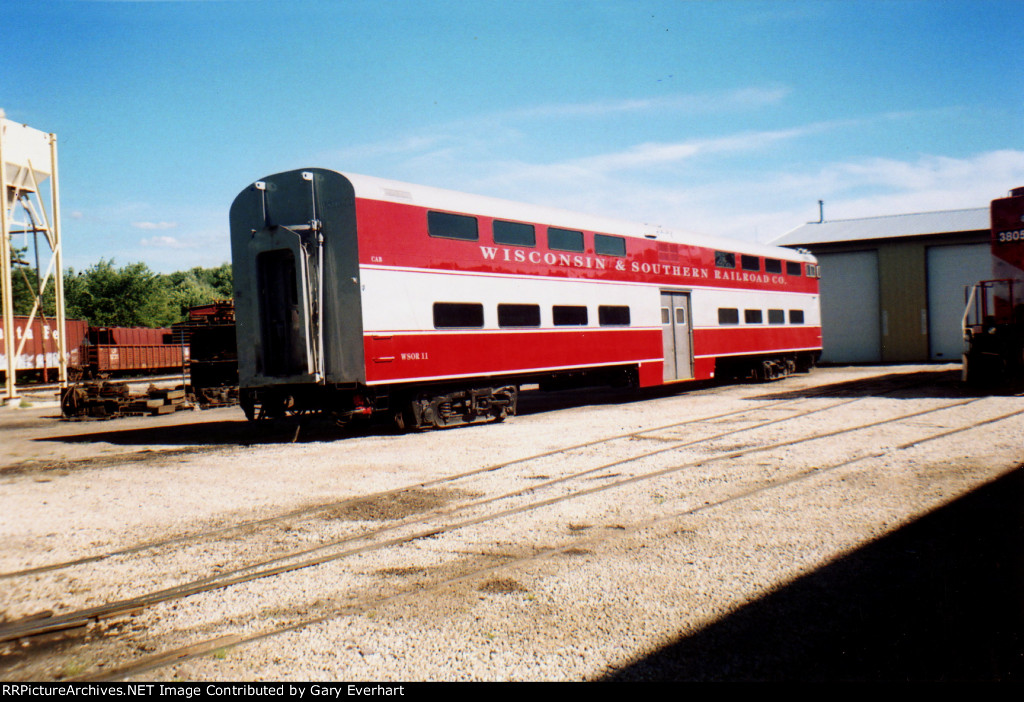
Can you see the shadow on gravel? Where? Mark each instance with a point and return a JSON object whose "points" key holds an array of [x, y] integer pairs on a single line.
{"points": [[942, 383], [215, 433], [940, 600], [311, 429], [540, 401], [939, 383]]}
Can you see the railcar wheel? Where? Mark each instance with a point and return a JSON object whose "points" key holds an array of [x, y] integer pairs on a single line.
{"points": [[403, 419], [983, 370], [72, 401], [248, 404], [508, 402]]}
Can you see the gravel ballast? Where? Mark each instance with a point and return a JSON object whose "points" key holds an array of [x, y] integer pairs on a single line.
{"points": [[862, 555]]}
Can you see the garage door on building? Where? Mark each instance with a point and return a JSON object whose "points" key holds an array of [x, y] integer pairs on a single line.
{"points": [[950, 270], [850, 328]]}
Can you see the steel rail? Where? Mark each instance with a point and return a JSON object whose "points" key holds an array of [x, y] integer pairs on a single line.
{"points": [[312, 510], [73, 620], [198, 649]]}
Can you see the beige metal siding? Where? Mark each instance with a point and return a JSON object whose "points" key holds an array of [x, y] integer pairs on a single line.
{"points": [[903, 301]]}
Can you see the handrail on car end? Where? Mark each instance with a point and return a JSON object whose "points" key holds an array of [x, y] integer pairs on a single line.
{"points": [[974, 290], [967, 309]]}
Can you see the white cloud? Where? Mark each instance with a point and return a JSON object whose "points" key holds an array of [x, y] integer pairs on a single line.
{"points": [[166, 242], [686, 185], [404, 146], [155, 225], [765, 206], [883, 186], [468, 141], [864, 188], [654, 154], [697, 103], [953, 179]]}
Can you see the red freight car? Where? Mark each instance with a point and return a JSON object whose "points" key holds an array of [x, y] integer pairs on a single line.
{"points": [[92, 351], [129, 350], [38, 343]]}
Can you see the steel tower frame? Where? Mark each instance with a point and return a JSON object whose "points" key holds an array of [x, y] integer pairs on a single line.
{"points": [[27, 158]]}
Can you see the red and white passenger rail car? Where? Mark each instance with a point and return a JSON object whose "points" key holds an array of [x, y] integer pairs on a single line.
{"points": [[358, 295]]}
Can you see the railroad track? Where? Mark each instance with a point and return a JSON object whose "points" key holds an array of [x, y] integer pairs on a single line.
{"points": [[35, 388], [858, 388], [371, 602], [652, 445]]}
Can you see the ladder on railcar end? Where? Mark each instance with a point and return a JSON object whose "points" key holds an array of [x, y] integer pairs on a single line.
{"points": [[303, 271]]}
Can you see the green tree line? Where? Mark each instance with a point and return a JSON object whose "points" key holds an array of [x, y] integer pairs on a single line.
{"points": [[132, 295]]}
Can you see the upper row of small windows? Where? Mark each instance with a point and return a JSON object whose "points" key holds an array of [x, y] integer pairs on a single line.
{"points": [[727, 259], [446, 225]]}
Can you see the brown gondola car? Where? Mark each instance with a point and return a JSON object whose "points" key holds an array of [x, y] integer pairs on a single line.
{"points": [[133, 350]]}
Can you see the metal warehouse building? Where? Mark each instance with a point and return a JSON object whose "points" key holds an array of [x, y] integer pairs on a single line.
{"points": [[892, 288]]}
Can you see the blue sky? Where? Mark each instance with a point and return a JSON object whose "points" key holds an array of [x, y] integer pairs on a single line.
{"points": [[730, 118]]}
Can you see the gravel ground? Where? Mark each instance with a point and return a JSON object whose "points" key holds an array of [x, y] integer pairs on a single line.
{"points": [[859, 556]]}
